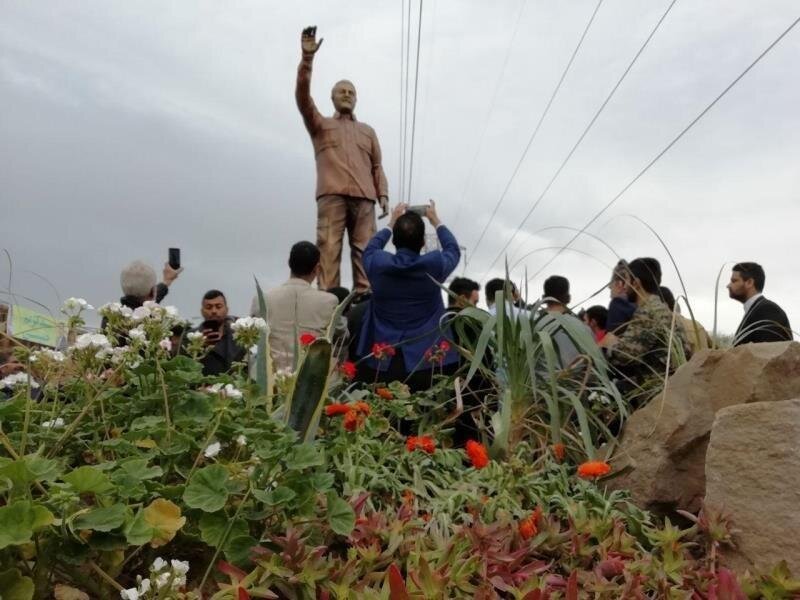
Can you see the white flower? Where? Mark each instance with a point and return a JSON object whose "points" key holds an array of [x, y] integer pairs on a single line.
{"points": [[232, 392], [194, 335], [54, 424], [212, 450], [241, 441], [118, 354], [144, 586], [163, 579], [129, 594], [159, 564], [73, 306], [53, 355], [141, 313], [126, 311], [254, 349], [171, 312], [165, 344], [249, 323], [137, 334], [15, 379], [180, 567], [93, 340]]}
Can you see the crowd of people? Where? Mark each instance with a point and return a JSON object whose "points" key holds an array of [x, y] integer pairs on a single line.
{"points": [[401, 329]]}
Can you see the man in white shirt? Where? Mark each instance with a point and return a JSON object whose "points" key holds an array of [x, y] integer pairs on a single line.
{"points": [[295, 308]]}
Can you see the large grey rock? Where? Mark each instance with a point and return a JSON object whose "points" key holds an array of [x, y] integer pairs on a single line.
{"points": [[661, 458], [753, 476]]}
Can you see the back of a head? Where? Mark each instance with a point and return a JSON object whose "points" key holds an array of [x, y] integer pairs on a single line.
{"points": [[754, 271], [498, 285], [654, 266], [598, 314], [668, 297], [137, 279], [620, 270], [461, 286], [557, 287], [303, 259], [642, 269], [409, 232]]}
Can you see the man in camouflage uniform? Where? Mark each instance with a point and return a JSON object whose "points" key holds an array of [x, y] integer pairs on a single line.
{"points": [[641, 355]]}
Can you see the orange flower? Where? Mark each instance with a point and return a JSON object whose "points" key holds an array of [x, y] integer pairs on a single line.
{"points": [[529, 527], [559, 451], [408, 497], [361, 407], [334, 410], [477, 454], [385, 393], [593, 469], [424, 443], [351, 420]]}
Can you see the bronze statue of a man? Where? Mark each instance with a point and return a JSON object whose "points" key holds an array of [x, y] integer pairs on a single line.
{"points": [[350, 178]]}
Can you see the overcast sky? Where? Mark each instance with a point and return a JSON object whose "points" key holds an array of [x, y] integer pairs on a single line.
{"points": [[130, 127]]}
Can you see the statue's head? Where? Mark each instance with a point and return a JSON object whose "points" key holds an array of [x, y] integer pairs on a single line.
{"points": [[343, 95]]}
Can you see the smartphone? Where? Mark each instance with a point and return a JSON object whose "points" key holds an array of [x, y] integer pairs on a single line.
{"points": [[175, 258], [420, 209]]}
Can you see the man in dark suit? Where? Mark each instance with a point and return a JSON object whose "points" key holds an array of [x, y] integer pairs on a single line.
{"points": [[406, 305], [764, 321]]}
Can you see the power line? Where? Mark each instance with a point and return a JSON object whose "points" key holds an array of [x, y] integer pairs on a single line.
{"points": [[536, 129], [670, 145], [485, 128], [400, 150], [414, 113], [583, 135]]}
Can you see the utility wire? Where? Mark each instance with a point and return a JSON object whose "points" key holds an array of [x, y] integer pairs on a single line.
{"points": [[405, 99], [414, 113], [671, 144], [497, 84], [400, 98], [583, 135], [536, 129]]}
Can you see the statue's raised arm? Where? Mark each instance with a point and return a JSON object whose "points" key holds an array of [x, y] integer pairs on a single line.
{"points": [[309, 46]]}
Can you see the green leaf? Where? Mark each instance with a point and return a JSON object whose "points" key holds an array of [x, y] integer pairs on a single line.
{"points": [[304, 456], [280, 495], [15, 586], [207, 490], [18, 522], [137, 531], [237, 550], [28, 469], [101, 519], [341, 516], [89, 480], [322, 482], [213, 527], [310, 388]]}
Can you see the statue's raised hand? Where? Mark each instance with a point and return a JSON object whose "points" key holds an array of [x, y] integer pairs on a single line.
{"points": [[308, 41]]}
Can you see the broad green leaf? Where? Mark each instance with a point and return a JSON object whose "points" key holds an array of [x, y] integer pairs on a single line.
{"points": [[322, 482], [280, 495], [19, 520], [137, 530], [341, 516], [207, 490], [28, 469], [304, 456], [213, 527], [304, 408], [148, 422], [15, 586], [165, 519], [238, 549], [89, 480], [101, 519]]}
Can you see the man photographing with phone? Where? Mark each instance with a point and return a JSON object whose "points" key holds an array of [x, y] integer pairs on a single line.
{"points": [[216, 329]]}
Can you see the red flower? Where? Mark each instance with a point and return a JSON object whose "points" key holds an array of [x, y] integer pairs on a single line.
{"points": [[348, 369], [307, 338], [424, 443], [559, 451], [361, 407], [385, 393], [593, 469], [351, 420], [334, 410], [444, 346], [477, 454], [381, 350], [530, 527]]}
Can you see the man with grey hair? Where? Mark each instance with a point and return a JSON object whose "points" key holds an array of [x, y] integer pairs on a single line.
{"points": [[138, 281], [350, 177]]}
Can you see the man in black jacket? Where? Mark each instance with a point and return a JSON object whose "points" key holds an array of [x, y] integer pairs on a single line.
{"points": [[216, 329], [764, 321]]}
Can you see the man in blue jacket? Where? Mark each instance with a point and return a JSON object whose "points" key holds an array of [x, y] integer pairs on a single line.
{"points": [[406, 305]]}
